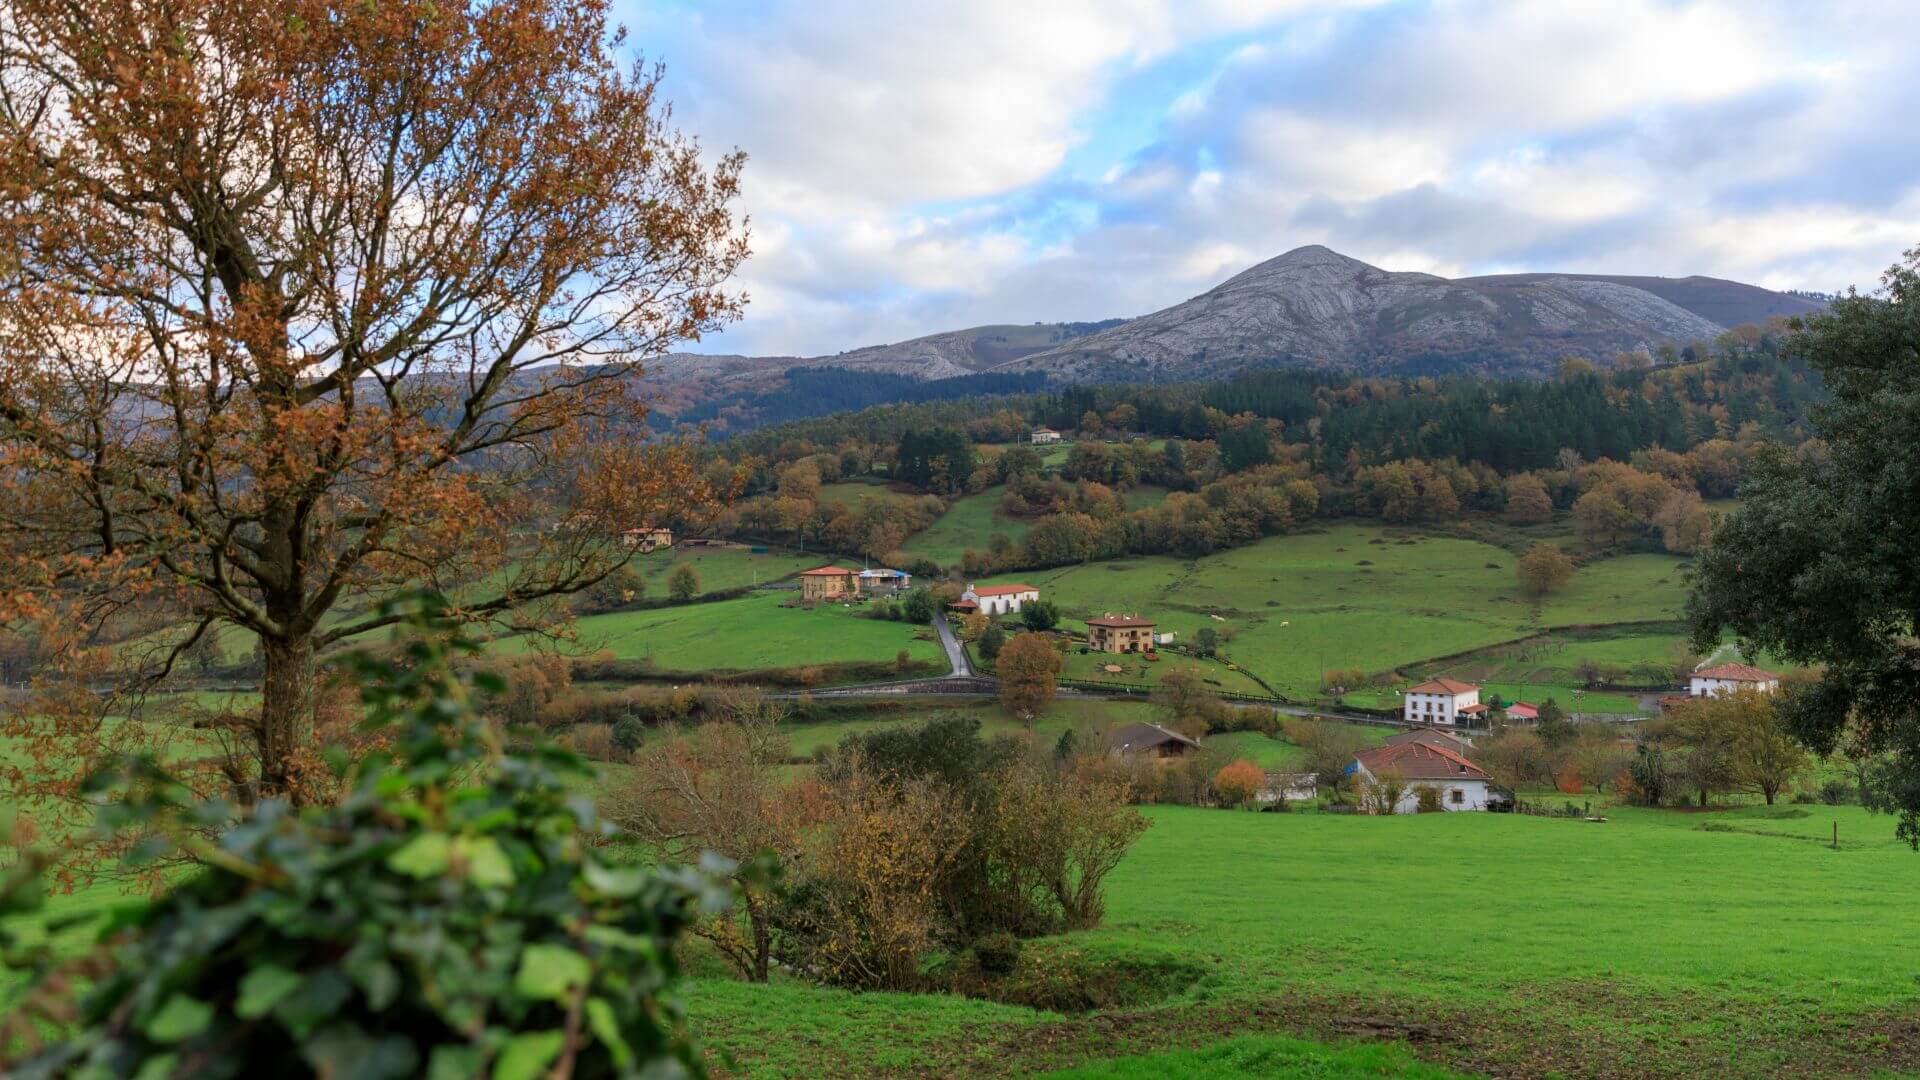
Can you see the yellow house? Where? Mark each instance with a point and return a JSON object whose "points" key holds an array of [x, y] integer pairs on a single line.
{"points": [[1120, 633], [829, 583]]}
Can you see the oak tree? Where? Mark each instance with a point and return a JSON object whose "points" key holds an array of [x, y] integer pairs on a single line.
{"points": [[1816, 565], [305, 302], [1029, 669]]}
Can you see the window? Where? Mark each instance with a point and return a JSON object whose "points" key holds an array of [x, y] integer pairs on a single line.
{"points": [[1457, 796]]}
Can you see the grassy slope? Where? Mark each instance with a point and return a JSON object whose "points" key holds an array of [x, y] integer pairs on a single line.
{"points": [[969, 522], [749, 633], [1646, 941], [1300, 604], [720, 568]]}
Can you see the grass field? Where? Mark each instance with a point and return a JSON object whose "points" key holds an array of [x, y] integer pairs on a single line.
{"points": [[746, 634], [1136, 671], [970, 522], [721, 567], [1732, 943], [1358, 595]]}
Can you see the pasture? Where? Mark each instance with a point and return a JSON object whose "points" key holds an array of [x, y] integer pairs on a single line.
{"points": [[1358, 595], [970, 522], [747, 634], [1731, 943], [721, 567]]}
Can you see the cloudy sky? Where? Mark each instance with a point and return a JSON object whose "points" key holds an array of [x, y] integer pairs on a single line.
{"points": [[916, 167]]}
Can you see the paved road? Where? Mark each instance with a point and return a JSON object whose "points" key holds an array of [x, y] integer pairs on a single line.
{"points": [[956, 656]]}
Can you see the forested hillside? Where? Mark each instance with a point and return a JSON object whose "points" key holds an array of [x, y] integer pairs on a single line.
{"points": [[1633, 452]]}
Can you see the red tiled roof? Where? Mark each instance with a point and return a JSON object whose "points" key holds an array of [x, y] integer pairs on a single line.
{"points": [[1443, 686], [1736, 673], [1431, 735], [1002, 590], [1119, 621], [964, 605], [1523, 710], [1475, 709], [827, 571], [1420, 761]]}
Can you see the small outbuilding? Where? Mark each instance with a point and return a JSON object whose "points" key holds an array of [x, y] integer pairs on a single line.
{"points": [[1043, 436], [884, 582]]}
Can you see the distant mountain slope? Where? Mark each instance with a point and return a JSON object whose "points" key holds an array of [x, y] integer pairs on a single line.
{"points": [[1317, 307], [1729, 303]]}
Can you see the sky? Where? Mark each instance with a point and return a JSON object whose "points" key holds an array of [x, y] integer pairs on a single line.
{"points": [[917, 167]]}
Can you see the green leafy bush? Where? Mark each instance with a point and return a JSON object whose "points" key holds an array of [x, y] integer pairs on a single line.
{"points": [[451, 917]]}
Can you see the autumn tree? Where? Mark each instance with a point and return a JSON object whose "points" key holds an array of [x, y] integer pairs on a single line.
{"points": [[306, 302], [720, 788], [1188, 706], [1527, 500], [1237, 783], [1029, 669], [1741, 734], [1602, 519], [684, 583], [1327, 750], [1544, 569]]}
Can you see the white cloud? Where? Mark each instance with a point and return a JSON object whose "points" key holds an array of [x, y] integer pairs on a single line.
{"points": [[911, 166]]}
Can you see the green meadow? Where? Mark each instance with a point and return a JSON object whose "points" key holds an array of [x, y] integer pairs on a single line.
{"points": [[721, 567], [1731, 943], [747, 634], [970, 522], [1367, 596]]}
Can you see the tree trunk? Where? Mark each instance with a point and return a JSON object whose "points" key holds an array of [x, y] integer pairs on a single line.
{"points": [[286, 715], [762, 942], [1703, 798], [1769, 793]]}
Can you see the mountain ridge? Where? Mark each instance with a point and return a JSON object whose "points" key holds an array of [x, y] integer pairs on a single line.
{"points": [[1316, 307], [1310, 306]]}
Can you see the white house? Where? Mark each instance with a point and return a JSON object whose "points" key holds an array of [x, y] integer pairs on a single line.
{"points": [[1444, 701], [1727, 678], [996, 599], [1418, 763], [1044, 435]]}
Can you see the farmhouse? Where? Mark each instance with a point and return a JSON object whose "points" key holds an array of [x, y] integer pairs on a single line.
{"points": [[1444, 701], [1463, 785], [1522, 713], [1044, 435], [884, 582], [829, 583], [646, 539], [1150, 741], [996, 599], [1728, 678], [1120, 633]]}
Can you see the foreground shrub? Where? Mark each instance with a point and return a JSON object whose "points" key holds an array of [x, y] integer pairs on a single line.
{"points": [[449, 917], [867, 910], [721, 788]]}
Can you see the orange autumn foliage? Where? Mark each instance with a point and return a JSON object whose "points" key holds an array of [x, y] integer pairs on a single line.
{"points": [[353, 310]]}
